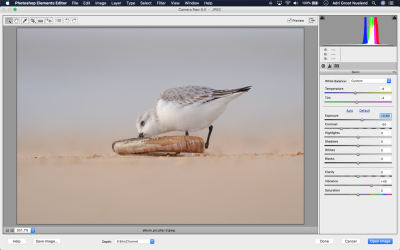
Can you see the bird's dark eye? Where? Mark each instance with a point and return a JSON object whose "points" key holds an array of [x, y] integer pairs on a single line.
{"points": [[142, 123]]}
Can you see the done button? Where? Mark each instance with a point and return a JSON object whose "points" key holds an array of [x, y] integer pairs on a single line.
{"points": [[324, 241], [380, 241]]}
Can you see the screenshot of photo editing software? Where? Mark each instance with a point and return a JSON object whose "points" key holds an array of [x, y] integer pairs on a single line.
{"points": [[212, 124]]}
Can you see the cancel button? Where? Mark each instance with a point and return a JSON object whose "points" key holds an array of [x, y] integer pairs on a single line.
{"points": [[350, 241]]}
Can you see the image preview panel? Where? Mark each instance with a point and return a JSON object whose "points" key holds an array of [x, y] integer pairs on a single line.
{"points": [[79, 99]]}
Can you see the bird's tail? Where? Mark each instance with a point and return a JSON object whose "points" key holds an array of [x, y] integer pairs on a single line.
{"points": [[244, 89], [230, 91]]}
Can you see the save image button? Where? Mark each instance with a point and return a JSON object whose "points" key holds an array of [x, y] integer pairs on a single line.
{"points": [[380, 241]]}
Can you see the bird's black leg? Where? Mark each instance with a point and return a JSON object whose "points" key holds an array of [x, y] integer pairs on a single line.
{"points": [[186, 132], [209, 134]]}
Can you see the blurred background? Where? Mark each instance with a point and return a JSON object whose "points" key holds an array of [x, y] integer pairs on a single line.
{"points": [[81, 89]]}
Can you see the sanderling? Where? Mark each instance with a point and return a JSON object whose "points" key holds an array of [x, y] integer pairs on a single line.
{"points": [[187, 108]]}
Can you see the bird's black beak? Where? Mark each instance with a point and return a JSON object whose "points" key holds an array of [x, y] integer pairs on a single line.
{"points": [[141, 135]]}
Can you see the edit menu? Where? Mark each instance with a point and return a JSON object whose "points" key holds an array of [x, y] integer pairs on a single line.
{"points": [[358, 128]]}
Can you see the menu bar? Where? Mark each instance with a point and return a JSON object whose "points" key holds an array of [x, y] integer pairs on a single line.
{"points": [[207, 3]]}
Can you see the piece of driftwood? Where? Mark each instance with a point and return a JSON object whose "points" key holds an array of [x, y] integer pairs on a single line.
{"points": [[159, 145]]}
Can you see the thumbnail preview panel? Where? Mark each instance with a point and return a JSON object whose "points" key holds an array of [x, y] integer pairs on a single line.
{"points": [[79, 90]]}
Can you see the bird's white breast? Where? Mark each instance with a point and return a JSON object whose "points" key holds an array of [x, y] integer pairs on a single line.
{"points": [[175, 117]]}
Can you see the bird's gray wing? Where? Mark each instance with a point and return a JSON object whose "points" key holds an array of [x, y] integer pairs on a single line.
{"points": [[189, 95], [186, 95]]}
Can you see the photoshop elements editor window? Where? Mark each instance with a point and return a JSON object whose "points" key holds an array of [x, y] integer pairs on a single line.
{"points": [[215, 124]]}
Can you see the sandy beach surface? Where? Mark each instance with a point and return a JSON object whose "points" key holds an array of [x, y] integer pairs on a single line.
{"points": [[191, 189]]}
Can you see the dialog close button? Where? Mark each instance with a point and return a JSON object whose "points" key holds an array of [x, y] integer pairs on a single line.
{"points": [[380, 241], [324, 241]]}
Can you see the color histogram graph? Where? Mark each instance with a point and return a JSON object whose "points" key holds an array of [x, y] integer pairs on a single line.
{"points": [[362, 31], [371, 31]]}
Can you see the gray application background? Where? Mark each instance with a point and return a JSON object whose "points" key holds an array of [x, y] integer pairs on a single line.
{"points": [[350, 30]]}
